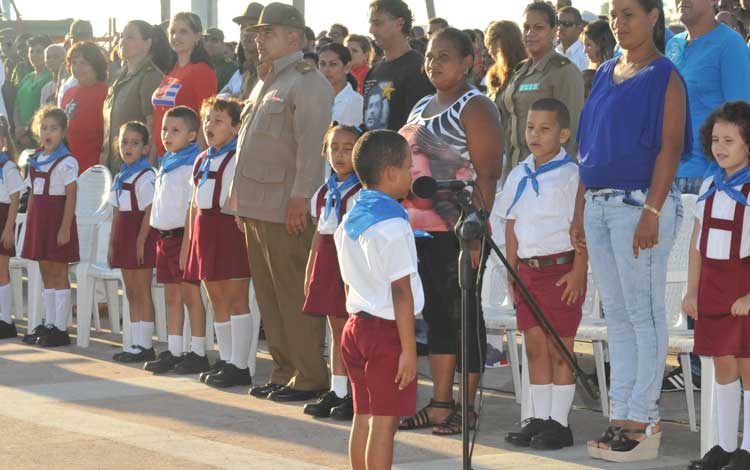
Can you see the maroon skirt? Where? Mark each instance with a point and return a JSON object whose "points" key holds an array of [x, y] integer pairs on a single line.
{"points": [[717, 332], [11, 252], [326, 295], [126, 228], [42, 224], [217, 249], [541, 282]]}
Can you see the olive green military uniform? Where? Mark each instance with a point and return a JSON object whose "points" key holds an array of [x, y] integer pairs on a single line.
{"points": [[554, 76]]}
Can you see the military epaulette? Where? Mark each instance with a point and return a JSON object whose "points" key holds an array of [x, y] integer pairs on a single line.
{"points": [[303, 67], [559, 60]]}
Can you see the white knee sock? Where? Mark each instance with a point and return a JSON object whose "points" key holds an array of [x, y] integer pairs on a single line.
{"points": [[241, 330], [224, 338], [338, 385], [728, 407], [174, 344], [146, 334], [135, 334], [62, 308], [48, 296], [541, 399], [198, 345], [6, 300], [746, 424], [562, 401]]}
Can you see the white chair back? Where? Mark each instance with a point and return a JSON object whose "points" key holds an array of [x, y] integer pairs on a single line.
{"points": [[102, 243], [93, 191], [677, 266], [20, 233]]}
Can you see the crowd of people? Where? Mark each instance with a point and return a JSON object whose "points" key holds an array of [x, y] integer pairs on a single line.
{"points": [[290, 155]]}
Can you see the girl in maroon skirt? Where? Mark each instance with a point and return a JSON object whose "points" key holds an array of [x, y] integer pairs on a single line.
{"points": [[218, 254], [11, 185], [132, 243], [324, 288], [51, 234], [718, 290]]}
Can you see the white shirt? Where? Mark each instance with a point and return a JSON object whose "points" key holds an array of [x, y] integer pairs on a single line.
{"points": [[347, 107], [233, 86], [720, 241], [205, 194], [542, 223], [144, 193], [576, 54], [172, 193], [12, 182], [329, 225], [369, 272], [65, 172], [69, 83]]}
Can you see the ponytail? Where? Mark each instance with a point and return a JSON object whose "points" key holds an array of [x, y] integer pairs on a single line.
{"points": [[161, 54], [660, 28]]}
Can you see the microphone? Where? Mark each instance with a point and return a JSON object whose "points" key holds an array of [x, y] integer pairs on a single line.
{"points": [[426, 186]]}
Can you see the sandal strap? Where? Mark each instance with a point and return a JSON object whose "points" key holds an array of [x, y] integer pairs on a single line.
{"points": [[609, 434], [446, 405]]}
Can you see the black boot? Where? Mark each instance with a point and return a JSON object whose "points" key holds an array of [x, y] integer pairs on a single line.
{"points": [[322, 407], [531, 427], [554, 437], [229, 376]]}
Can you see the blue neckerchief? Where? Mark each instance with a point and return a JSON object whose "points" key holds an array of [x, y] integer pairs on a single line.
{"points": [[370, 208], [205, 167], [4, 158], [126, 171], [333, 196], [531, 175], [171, 161], [36, 161], [737, 179]]}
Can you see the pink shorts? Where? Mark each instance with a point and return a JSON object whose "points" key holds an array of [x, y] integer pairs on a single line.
{"points": [[370, 348], [168, 262]]}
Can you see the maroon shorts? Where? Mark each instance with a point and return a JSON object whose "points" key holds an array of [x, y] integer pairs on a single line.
{"points": [[370, 348], [168, 261], [541, 282]]}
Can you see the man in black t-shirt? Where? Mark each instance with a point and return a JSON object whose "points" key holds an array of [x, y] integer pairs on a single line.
{"points": [[394, 85]]}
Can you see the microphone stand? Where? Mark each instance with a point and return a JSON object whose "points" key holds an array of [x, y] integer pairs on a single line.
{"points": [[472, 226]]}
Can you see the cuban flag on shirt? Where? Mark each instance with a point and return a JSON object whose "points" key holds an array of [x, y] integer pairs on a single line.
{"points": [[166, 94]]}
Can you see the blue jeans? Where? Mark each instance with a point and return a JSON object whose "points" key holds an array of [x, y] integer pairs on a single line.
{"points": [[688, 185], [632, 292]]}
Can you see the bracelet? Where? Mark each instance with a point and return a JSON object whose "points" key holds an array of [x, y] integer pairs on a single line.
{"points": [[652, 209]]}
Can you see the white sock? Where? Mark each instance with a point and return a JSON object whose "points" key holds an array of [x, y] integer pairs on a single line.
{"points": [[6, 300], [746, 424], [338, 385], [62, 308], [48, 296], [541, 399], [728, 408], [241, 330], [198, 345], [147, 334], [224, 338], [135, 333], [562, 401], [174, 344]]}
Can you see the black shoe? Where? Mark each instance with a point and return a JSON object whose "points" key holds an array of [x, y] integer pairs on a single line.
{"points": [[192, 364], [215, 368], [675, 381], [554, 437], [8, 330], [287, 394], [322, 407], [715, 459], [229, 376], [38, 332], [740, 460], [143, 355], [345, 411], [531, 427], [165, 363], [54, 338], [264, 390]]}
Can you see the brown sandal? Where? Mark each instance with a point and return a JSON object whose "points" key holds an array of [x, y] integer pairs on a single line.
{"points": [[421, 420], [452, 425]]}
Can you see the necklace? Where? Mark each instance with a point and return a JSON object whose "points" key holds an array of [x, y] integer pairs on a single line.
{"points": [[627, 70]]}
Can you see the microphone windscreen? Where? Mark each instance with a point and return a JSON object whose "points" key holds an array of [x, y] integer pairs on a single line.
{"points": [[424, 187]]}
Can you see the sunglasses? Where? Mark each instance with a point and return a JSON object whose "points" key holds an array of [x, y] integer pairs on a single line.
{"points": [[567, 24]]}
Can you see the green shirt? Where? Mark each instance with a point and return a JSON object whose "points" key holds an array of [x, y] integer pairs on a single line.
{"points": [[29, 93]]}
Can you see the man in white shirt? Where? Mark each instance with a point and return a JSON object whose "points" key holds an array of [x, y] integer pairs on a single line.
{"points": [[570, 26]]}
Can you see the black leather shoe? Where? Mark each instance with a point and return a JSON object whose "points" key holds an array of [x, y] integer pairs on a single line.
{"points": [[216, 367], [36, 333], [531, 427], [163, 364], [715, 459], [192, 364], [143, 355], [8, 330], [740, 460], [345, 411], [555, 436], [322, 407], [286, 394], [264, 390], [229, 376], [54, 338]]}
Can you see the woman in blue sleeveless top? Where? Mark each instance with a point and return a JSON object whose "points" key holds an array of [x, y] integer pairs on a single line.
{"points": [[633, 130]]}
